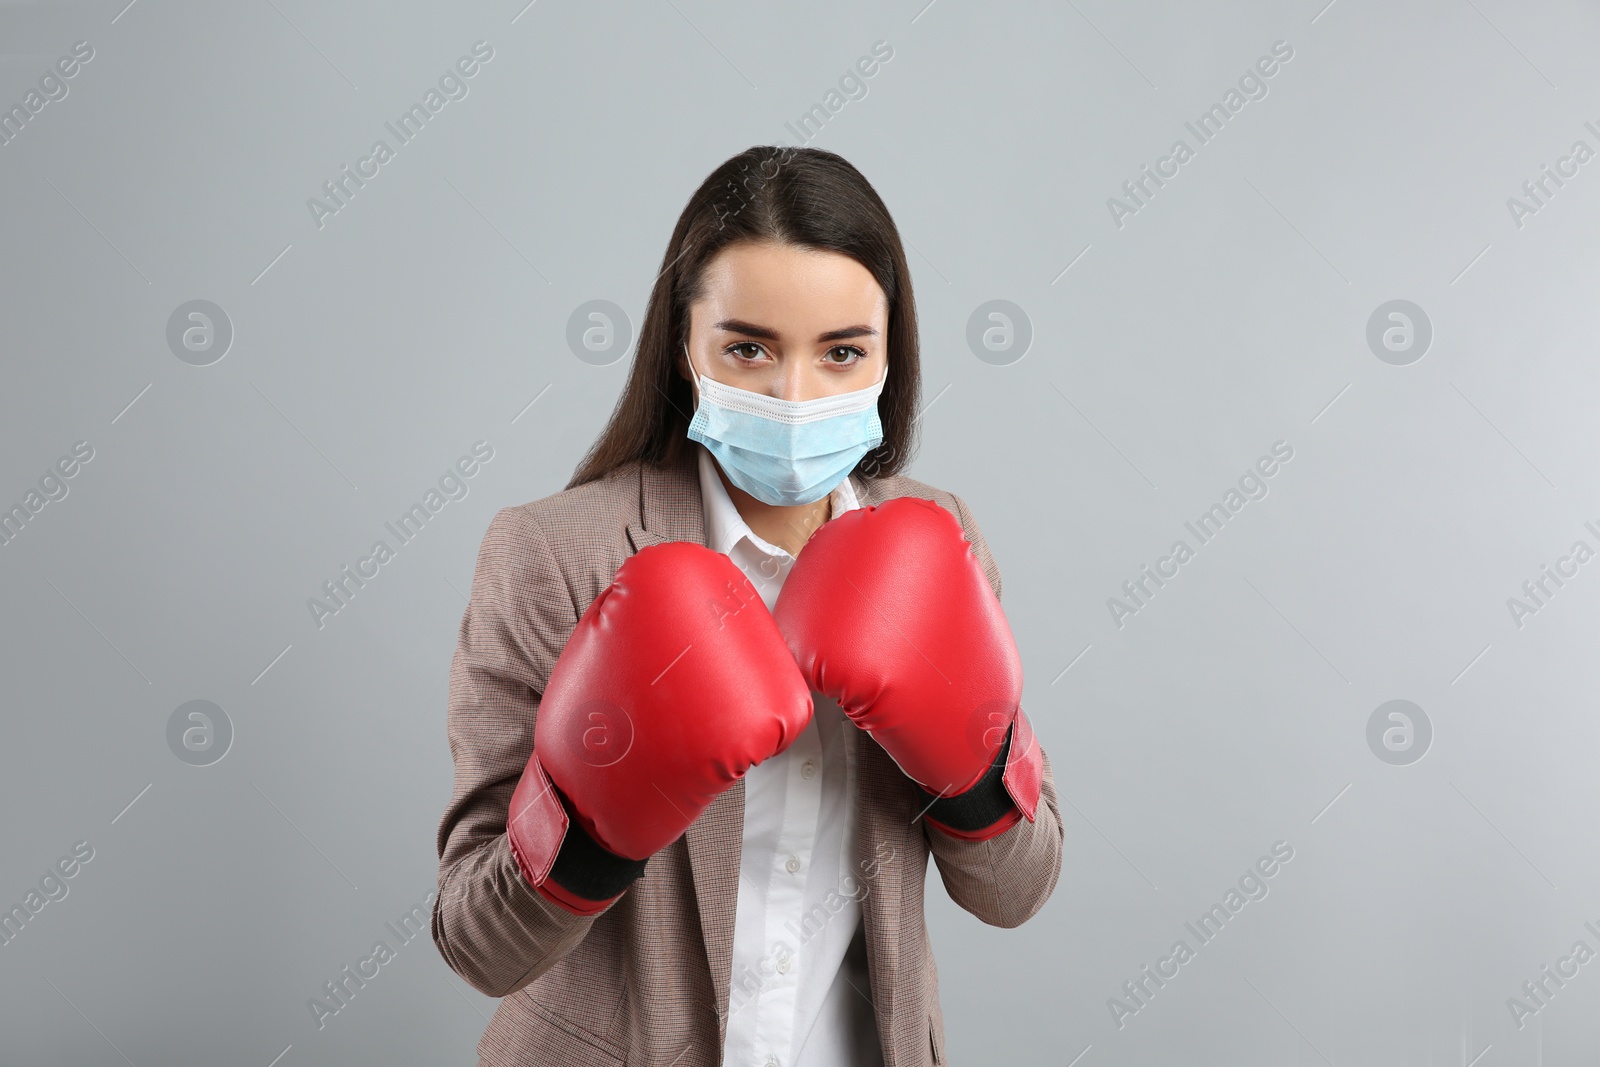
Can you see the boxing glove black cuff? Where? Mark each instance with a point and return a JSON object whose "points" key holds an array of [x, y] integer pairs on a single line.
{"points": [[985, 804], [586, 869]]}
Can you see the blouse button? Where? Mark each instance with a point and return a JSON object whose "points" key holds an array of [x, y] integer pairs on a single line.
{"points": [[793, 864], [808, 770]]}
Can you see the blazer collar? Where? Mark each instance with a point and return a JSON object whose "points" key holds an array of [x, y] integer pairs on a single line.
{"points": [[669, 504], [671, 509]]}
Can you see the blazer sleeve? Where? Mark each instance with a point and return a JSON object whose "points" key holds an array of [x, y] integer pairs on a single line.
{"points": [[1005, 880], [489, 924]]}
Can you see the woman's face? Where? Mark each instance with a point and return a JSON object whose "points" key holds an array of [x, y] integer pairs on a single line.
{"points": [[788, 322]]}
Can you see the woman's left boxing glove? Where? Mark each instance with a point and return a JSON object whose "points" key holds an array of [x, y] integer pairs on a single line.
{"points": [[888, 611]]}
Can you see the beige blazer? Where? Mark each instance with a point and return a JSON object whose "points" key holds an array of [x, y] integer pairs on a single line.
{"points": [[647, 980]]}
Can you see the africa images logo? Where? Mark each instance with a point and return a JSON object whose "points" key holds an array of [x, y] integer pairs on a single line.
{"points": [[341, 589], [342, 188], [1252, 886]]}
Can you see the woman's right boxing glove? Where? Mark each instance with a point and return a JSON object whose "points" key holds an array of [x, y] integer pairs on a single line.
{"points": [[675, 682]]}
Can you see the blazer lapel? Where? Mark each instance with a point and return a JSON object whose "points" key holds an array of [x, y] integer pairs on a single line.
{"points": [[671, 509], [883, 841], [869, 492], [886, 832]]}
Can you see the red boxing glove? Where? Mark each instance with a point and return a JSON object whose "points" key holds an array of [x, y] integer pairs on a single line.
{"points": [[888, 611], [674, 683]]}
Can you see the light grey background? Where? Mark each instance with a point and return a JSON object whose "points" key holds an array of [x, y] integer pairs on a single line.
{"points": [[1229, 313]]}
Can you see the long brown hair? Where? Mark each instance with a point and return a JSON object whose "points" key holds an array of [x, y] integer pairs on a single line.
{"points": [[799, 196]]}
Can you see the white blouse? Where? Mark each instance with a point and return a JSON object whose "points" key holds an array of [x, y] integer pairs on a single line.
{"points": [[799, 993]]}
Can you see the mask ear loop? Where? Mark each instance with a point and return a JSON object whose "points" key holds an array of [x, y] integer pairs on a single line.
{"points": [[694, 376]]}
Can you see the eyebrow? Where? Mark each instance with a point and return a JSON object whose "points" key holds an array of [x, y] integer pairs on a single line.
{"points": [[752, 330]]}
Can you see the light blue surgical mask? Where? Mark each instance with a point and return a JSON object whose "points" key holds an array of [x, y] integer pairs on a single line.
{"points": [[785, 451]]}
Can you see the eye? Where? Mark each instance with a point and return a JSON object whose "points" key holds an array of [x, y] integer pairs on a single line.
{"points": [[853, 355], [736, 347]]}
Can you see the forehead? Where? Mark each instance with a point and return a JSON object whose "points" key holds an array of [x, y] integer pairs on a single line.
{"points": [[788, 287]]}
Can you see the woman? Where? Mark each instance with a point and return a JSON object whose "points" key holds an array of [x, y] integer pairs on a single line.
{"points": [[715, 704]]}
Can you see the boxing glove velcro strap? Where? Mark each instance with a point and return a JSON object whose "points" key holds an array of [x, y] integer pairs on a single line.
{"points": [[981, 812], [553, 851], [587, 870]]}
